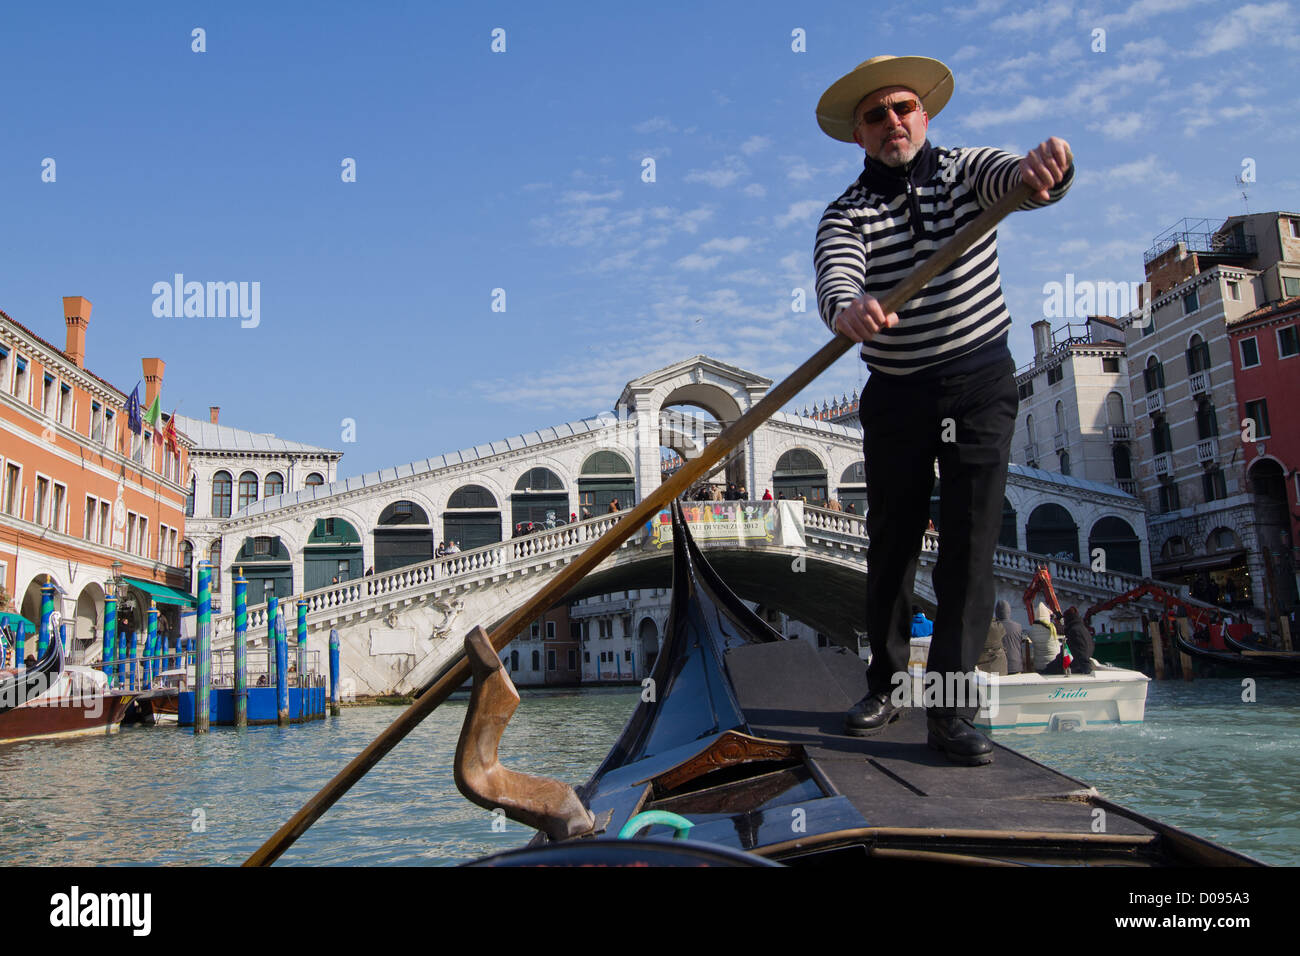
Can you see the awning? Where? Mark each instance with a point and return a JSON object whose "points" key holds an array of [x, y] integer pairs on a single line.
{"points": [[1213, 562], [12, 620], [162, 593]]}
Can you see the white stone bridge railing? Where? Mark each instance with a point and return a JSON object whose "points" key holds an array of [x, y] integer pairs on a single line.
{"points": [[840, 531], [416, 580], [825, 531]]}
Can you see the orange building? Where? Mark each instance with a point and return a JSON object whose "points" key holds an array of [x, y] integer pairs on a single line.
{"points": [[85, 501]]}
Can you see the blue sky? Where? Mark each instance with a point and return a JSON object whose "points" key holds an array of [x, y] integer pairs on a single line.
{"points": [[522, 170]]}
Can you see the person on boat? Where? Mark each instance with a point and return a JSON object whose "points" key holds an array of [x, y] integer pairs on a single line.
{"points": [[1013, 637], [1047, 646], [993, 658], [1081, 644], [942, 382], [922, 626], [767, 494]]}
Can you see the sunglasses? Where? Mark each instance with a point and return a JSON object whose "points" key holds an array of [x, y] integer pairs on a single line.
{"points": [[899, 109]]}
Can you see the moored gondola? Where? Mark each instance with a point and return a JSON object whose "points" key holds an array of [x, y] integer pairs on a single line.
{"points": [[737, 743], [1254, 663], [23, 684]]}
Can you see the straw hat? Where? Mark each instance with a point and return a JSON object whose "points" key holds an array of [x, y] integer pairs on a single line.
{"points": [[930, 79]]}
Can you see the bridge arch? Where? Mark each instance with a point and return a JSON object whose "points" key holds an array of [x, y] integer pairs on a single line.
{"points": [[540, 495], [403, 535], [800, 471], [1119, 543], [605, 475], [333, 553], [1051, 530], [472, 515]]}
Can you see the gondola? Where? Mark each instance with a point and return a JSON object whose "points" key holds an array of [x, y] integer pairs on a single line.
{"points": [[21, 685], [1288, 660], [1254, 664], [735, 755]]}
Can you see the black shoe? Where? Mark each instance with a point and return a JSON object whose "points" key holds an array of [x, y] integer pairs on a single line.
{"points": [[959, 740], [870, 714]]}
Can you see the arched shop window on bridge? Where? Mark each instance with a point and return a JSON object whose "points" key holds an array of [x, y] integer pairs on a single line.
{"points": [[472, 518], [332, 554], [267, 566], [247, 489], [1052, 532], [404, 536], [1119, 543], [853, 488], [274, 485], [799, 472], [314, 480], [540, 498], [605, 476]]}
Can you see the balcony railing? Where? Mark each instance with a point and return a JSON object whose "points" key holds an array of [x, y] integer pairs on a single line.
{"points": [[1207, 449], [1122, 432], [1128, 485], [1164, 464], [1058, 441], [1199, 381], [1155, 401], [1031, 451]]}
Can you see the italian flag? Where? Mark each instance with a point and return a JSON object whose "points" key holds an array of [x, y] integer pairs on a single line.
{"points": [[153, 418]]}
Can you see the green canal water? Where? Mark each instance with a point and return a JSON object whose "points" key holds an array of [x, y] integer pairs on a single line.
{"points": [[1204, 760]]}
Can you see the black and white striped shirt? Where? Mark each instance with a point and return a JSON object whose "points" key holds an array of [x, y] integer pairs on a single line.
{"points": [[892, 219]]}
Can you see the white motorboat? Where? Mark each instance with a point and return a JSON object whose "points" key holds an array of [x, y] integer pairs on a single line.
{"points": [[1033, 703]]}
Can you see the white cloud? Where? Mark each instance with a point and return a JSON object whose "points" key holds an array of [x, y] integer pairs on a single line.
{"points": [[1122, 126], [805, 211], [656, 124], [737, 244], [721, 175], [697, 263], [755, 190], [1029, 108], [1249, 24], [1039, 20], [755, 144], [1150, 173]]}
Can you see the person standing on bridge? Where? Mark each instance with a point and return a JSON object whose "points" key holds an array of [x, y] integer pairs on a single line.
{"points": [[942, 378]]}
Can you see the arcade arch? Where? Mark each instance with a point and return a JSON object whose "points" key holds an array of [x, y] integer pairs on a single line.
{"points": [[403, 535]]}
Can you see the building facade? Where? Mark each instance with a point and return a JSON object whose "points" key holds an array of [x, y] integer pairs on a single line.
{"points": [[1264, 344], [231, 469], [1203, 279], [85, 502]]}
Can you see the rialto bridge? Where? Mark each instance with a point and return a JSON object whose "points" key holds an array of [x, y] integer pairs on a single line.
{"points": [[361, 550]]}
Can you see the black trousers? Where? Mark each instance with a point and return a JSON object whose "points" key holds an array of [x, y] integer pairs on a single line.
{"points": [[966, 422]]}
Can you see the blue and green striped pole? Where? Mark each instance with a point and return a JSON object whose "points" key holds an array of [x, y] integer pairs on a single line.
{"points": [[110, 636], [281, 670], [63, 638], [302, 658], [47, 611], [152, 650], [272, 613], [203, 659], [241, 649], [20, 644], [130, 657], [334, 672]]}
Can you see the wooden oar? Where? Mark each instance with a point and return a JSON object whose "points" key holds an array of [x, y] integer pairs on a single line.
{"points": [[458, 670]]}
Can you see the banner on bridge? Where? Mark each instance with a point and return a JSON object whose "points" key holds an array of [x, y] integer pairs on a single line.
{"points": [[734, 522]]}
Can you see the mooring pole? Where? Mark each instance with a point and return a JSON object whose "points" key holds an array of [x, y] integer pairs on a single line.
{"points": [[335, 710], [63, 638], [110, 637], [47, 611], [130, 660], [281, 671], [20, 644], [272, 613], [203, 656], [303, 709], [241, 649], [154, 646]]}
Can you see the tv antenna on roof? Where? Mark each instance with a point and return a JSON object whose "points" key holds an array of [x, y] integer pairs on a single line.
{"points": [[1244, 184]]}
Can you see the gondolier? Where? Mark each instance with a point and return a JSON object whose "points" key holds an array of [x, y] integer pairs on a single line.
{"points": [[942, 378]]}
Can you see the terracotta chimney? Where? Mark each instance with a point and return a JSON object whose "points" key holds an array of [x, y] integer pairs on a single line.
{"points": [[76, 312], [214, 411], [153, 376]]}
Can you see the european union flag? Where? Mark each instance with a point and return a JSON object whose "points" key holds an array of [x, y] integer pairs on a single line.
{"points": [[134, 420]]}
